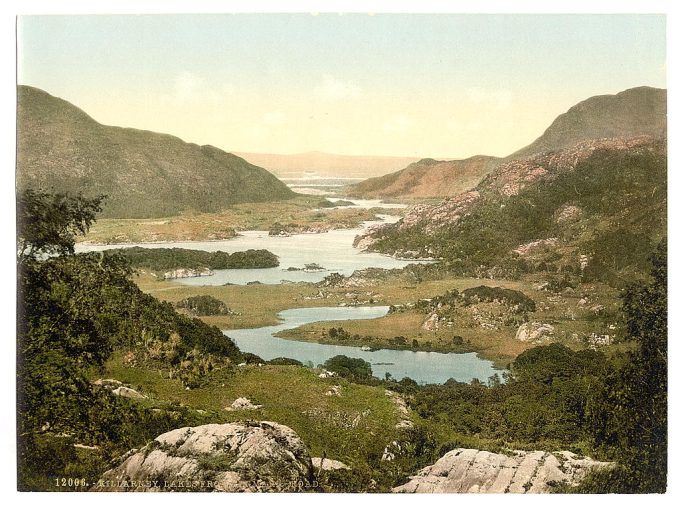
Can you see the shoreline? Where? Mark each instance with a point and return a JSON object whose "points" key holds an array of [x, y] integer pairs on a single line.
{"points": [[498, 363]]}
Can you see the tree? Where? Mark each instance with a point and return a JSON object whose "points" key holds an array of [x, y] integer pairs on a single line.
{"points": [[349, 367], [48, 223], [628, 414]]}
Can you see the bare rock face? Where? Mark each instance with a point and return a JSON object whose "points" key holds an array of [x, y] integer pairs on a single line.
{"points": [[474, 471], [232, 457]]}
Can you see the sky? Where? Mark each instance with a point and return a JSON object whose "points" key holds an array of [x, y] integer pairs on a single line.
{"points": [[422, 85]]}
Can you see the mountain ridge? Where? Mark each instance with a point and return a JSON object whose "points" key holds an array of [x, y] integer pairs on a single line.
{"points": [[144, 173], [428, 178], [630, 113], [594, 210]]}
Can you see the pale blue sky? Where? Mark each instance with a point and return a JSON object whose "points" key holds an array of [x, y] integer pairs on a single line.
{"points": [[418, 85]]}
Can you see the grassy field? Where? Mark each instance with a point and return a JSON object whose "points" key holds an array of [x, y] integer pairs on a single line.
{"points": [[302, 211], [349, 427]]}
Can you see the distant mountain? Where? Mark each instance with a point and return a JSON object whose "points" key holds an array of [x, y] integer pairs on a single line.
{"points": [[633, 112], [327, 164], [428, 178], [144, 174]]}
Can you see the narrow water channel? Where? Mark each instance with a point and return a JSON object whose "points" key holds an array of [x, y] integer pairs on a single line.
{"points": [[421, 366]]}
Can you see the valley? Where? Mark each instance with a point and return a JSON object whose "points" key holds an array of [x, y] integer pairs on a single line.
{"points": [[486, 307]]}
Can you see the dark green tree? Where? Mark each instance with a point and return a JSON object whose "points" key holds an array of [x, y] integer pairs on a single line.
{"points": [[48, 223], [349, 367], [628, 415]]}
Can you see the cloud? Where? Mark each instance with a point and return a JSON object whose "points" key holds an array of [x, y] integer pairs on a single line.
{"points": [[397, 124], [334, 89], [499, 100]]}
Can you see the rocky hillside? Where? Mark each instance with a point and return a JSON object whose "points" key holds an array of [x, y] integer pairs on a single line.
{"points": [[428, 178], [633, 112], [598, 203], [474, 471], [145, 174], [232, 457]]}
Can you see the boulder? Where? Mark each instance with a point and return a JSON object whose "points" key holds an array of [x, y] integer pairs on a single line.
{"points": [[432, 323], [108, 383], [334, 391], [243, 403], [328, 464], [534, 331], [568, 214], [128, 392], [231, 457], [473, 471]]}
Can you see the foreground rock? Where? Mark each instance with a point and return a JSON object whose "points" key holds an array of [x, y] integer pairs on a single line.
{"points": [[328, 464], [474, 471], [232, 457]]}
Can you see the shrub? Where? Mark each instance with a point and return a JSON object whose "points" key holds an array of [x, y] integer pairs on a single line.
{"points": [[204, 305], [349, 367]]}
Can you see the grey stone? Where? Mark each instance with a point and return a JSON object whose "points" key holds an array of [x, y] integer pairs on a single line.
{"points": [[465, 470], [232, 457]]}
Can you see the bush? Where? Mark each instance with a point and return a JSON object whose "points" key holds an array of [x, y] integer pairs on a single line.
{"points": [[285, 361], [204, 305], [512, 298], [353, 368]]}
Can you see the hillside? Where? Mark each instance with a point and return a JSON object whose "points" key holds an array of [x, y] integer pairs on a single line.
{"points": [[144, 174], [596, 209], [327, 164], [428, 178], [634, 112]]}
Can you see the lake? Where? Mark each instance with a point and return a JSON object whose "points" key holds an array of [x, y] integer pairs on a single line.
{"points": [[421, 366], [332, 250]]}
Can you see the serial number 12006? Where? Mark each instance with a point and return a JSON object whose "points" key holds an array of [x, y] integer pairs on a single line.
{"points": [[71, 482]]}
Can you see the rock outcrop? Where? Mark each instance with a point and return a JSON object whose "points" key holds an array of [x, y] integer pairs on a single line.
{"points": [[474, 471], [187, 273], [432, 323], [243, 403], [510, 178], [117, 388], [232, 457], [128, 392], [534, 331], [328, 464]]}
